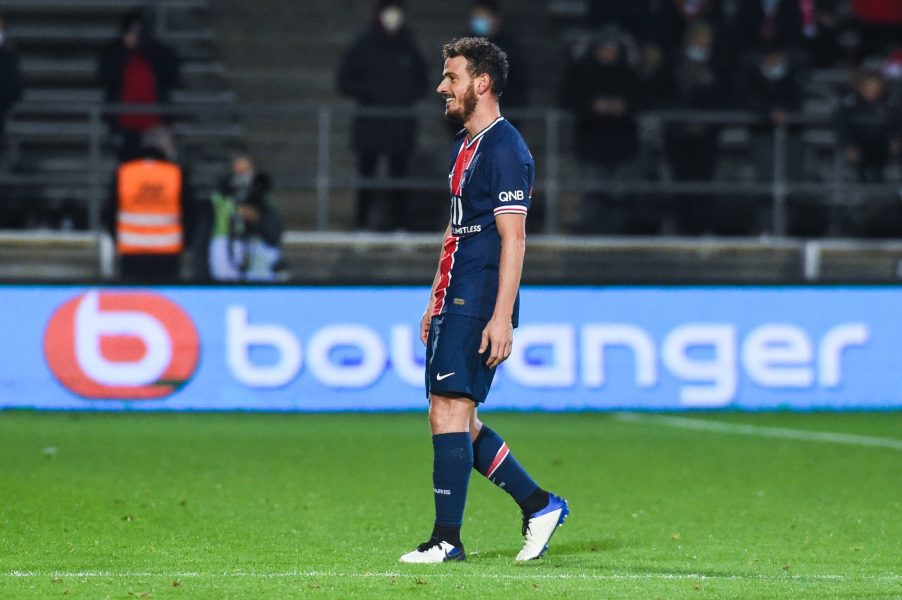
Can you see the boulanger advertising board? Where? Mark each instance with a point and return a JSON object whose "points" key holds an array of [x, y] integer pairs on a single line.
{"points": [[332, 349]]}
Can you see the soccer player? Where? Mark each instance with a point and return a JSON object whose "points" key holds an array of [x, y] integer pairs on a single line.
{"points": [[469, 322]]}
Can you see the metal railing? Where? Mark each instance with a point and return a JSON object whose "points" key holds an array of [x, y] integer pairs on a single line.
{"points": [[548, 125]]}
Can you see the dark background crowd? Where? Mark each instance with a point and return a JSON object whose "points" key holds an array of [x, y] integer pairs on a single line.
{"points": [[758, 56], [782, 64], [653, 88]]}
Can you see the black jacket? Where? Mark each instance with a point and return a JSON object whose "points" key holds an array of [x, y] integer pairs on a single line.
{"points": [[387, 71], [753, 32], [516, 90], [868, 126], [605, 139], [10, 79], [763, 94]]}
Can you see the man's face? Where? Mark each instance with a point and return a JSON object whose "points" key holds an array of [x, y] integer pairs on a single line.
{"points": [[457, 90], [871, 88], [131, 37]]}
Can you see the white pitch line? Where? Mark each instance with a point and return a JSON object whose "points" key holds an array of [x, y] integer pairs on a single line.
{"points": [[760, 431], [457, 573]]}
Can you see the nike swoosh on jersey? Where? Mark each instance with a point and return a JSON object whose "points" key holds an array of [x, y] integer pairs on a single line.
{"points": [[439, 376]]}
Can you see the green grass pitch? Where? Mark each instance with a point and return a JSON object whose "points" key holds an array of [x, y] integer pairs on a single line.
{"points": [[719, 505]]}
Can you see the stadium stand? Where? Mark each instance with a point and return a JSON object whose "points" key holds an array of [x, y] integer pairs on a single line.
{"points": [[49, 163], [240, 58], [296, 62]]}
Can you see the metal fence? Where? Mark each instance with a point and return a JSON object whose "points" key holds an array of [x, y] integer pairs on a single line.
{"points": [[551, 128]]}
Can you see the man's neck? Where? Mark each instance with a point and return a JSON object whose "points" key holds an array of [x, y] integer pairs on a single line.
{"points": [[481, 118]]}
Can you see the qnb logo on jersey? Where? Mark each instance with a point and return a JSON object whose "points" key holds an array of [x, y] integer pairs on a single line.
{"points": [[518, 195], [121, 345]]}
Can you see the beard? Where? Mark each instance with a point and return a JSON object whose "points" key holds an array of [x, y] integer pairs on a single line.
{"points": [[468, 105]]}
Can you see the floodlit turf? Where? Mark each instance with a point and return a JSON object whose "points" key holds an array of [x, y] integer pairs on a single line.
{"points": [[275, 506]]}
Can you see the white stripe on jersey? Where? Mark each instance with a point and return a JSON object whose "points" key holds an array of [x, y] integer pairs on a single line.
{"points": [[515, 209]]}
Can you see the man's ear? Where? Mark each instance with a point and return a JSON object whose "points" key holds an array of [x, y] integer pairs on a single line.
{"points": [[483, 84]]}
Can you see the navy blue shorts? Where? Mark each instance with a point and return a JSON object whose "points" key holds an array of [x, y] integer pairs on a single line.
{"points": [[454, 366]]}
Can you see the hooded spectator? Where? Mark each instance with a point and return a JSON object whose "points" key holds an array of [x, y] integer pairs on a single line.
{"points": [[868, 126], [601, 89], [134, 68], [383, 69], [486, 20]]}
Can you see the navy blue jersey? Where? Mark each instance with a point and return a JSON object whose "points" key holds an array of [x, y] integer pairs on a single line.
{"points": [[490, 175]]}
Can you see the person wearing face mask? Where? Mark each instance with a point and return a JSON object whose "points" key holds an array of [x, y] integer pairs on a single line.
{"points": [[10, 79], [486, 22], [600, 88], [383, 69], [245, 233], [134, 68], [691, 146], [769, 86]]}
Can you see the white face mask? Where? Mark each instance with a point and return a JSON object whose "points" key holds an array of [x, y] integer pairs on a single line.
{"points": [[392, 19], [775, 71], [892, 70], [698, 53]]}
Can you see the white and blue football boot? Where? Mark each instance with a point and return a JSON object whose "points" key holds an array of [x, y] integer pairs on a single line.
{"points": [[434, 551], [540, 526]]}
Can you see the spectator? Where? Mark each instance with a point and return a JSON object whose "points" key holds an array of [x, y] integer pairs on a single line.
{"points": [[676, 17], [879, 23], [246, 236], [766, 23], [150, 213], [867, 127], [601, 89], [383, 69], [822, 27], [770, 87], [486, 21], [136, 69], [892, 72], [10, 80], [655, 77], [628, 15], [691, 146]]}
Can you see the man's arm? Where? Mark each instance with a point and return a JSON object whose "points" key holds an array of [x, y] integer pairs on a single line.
{"points": [[498, 335], [426, 321]]}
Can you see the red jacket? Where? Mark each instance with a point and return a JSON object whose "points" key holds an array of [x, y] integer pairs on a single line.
{"points": [[885, 12]]}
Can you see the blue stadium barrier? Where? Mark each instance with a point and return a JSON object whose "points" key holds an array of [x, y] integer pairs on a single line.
{"points": [[357, 349]]}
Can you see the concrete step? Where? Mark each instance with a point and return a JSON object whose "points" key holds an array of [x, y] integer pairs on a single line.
{"points": [[90, 95], [116, 7], [85, 69], [56, 131], [96, 34]]}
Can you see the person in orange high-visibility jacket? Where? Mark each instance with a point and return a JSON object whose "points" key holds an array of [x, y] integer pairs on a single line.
{"points": [[149, 220]]}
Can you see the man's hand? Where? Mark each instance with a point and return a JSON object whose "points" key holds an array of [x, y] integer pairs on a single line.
{"points": [[498, 338], [425, 324]]}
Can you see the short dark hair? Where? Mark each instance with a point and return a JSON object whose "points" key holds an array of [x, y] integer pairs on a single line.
{"points": [[482, 57], [493, 6]]}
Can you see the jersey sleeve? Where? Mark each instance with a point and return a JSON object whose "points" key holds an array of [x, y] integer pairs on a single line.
{"points": [[511, 182]]}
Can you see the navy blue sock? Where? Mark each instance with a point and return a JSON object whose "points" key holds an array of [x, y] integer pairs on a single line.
{"points": [[493, 458], [452, 462]]}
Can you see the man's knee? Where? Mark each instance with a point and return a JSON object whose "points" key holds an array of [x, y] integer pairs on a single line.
{"points": [[450, 414]]}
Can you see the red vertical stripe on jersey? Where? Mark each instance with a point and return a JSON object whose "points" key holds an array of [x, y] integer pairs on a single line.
{"points": [[449, 249], [462, 163]]}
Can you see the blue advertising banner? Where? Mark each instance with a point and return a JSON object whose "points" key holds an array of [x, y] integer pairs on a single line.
{"points": [[331, 349]]}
